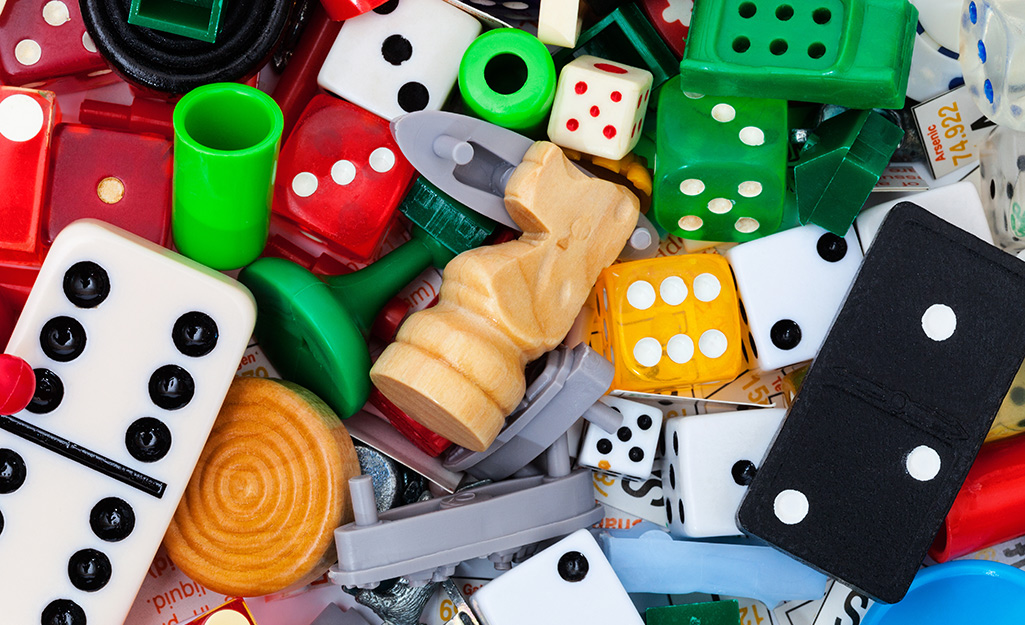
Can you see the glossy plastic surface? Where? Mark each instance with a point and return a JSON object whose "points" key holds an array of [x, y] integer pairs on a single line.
{"points": [[992, 46], [195, 19], [855, 53], [955, 593], [225, 147], [41, 40], [507, 77]]}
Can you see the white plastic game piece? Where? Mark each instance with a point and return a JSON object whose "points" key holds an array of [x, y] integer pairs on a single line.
{"points": [[401, 57], [134, 348], [792, 284], [573, 573], [991, 51], [599, 107], [1001, 163], [628, 451], [957, 203], [559, 22], [708, 463]]}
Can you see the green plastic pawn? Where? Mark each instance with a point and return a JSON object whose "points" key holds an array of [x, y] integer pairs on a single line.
{"points": [[313, 330], [720, 170]]}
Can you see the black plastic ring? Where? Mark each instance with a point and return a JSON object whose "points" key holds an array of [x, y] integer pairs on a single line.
{"points": [[249, 32]]}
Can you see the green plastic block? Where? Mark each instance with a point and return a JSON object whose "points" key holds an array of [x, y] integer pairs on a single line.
{"points": [[708, 613], [196, 19], [720, 171], [840, 165], [453, 225], [625, 36], [855, 53]]}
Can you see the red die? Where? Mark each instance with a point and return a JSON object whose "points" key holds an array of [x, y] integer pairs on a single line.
{"points": [[120, 177], [27, 119], [44, 39], [341, 175], [671, 18]]}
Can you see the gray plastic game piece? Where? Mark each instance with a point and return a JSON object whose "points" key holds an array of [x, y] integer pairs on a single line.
{"points": [[333, 615], [472, 161], [469, 159], [567, 388], [425, 540]]}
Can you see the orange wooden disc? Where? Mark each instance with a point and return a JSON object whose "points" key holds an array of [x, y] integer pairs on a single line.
{"points": [[270, 488]]}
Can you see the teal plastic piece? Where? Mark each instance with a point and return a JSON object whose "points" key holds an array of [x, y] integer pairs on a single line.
{"points": [[196, 19], [625, 36], [956, 593], [507, 78], [447, 221], [704, 613], [840, 165], [720, 170], [226, 142], [313, 331], [855, 53]]}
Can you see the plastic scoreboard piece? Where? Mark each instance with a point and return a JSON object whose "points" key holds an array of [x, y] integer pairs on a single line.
{"points": [[856, 53]]}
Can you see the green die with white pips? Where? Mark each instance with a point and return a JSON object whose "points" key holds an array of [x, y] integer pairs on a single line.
{"points": [[720, 165]]}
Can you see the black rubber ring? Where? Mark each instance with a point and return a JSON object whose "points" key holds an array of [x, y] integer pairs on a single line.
{"points": [[249, 32]]}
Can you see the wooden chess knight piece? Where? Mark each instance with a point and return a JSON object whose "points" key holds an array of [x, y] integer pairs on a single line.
{"points": [[457, 368]]}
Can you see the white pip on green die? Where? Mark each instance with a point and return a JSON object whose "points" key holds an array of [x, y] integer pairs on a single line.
{"points": [[599, 107]]}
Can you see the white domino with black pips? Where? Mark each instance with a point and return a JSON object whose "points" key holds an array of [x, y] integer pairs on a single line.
{"points": [[134, 348]]}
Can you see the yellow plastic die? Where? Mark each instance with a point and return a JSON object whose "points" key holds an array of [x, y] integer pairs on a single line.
{"points": [[670, 323]]}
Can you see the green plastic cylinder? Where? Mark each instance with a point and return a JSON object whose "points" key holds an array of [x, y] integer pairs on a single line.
{"points": [[226, 142], [507, 77]]}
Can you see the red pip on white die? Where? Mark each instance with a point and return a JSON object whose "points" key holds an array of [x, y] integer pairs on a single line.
{"points": [[599, 107]]}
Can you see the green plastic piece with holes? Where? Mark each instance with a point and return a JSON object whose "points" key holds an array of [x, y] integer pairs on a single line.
{"points": [[840, 165], [226, 142], [313, 330], [625, 36], [507, 78], [720, 167], [706, 613], [855, 53], [449, 222], [195, 19]]}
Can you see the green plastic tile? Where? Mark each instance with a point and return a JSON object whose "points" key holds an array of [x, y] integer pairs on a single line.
{"points": [[196, 19], [708, 613]]}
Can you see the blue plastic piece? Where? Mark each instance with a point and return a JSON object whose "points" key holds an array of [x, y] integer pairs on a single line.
{"points": [[966, 591], [646, 559]]}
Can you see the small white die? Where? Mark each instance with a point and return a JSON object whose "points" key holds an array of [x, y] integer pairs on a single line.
{"points": [[629, 451]]}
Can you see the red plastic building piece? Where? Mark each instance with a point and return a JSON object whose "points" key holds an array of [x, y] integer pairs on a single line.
{"points": [[129, 187], [426, 441], [990, 507], [298, 83], [345, 9], [44, 39], [671, 18], [141, 115], [27, 119], [17, 384], [341, 176]]}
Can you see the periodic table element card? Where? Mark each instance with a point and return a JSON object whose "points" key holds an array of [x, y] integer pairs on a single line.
{"points": [[952, 128], [895, 406]]}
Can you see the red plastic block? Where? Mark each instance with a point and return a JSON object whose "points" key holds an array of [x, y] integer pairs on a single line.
{"points": [[234, 612], [671, 18], [341, 176], [17, 384], [44, 39], [27, 119], [346, 9], [122, 178], [426, 441]]}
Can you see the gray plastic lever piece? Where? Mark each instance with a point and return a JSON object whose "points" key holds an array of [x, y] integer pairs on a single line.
{"points": [[567, 387], [425, 540], [472, 160]]}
